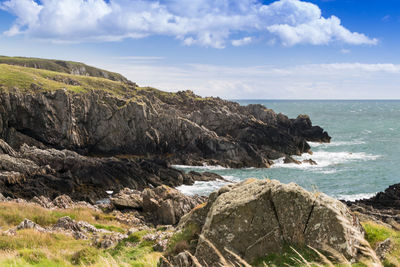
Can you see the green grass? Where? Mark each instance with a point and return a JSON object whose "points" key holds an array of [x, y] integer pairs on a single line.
{"points": [[376, 233], [183, 239], [110, 228], [59, 66], [33, 248], [11, 214], [288, 257], [37, 80], [30, 75]]}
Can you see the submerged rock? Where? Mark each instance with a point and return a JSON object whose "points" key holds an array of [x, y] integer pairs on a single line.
{"points": [[289, 160], [258, 217]]}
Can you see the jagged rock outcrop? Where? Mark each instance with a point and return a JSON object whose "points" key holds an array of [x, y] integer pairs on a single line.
{"points": [[383, 207], [161, 205], [182, 128], [257, 217], [93, 134], [34, 172]]}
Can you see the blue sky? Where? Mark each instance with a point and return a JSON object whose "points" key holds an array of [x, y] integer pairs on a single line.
{"points": [[284, 49]]}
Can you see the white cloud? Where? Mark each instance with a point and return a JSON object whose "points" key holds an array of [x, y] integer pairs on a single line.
{"points": [[345, 51], [243, 41], [202, 22], [26, 11], [311, 81]]}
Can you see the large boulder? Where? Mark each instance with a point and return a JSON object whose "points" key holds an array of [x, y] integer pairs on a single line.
{"points": [[258, 217]]}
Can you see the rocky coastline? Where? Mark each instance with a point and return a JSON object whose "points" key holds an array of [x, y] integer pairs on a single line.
{"points": [[70, 133], [102, 132]]}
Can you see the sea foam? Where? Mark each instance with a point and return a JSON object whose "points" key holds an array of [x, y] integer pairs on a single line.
{"points": [[355, 197], [336, 143], [325, 159], [200, 168]]}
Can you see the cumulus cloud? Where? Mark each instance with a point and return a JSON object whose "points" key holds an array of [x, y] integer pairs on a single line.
{"points": [[243, 41], [202, 22]]}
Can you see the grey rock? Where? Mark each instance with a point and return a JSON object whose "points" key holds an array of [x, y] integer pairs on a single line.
{"points": [[28, 224], [51, 172], [208, 130], [258, 217], [63, 202], [288, 160], [384, 248], [161, 205], [43, 201], [108, 240], [127, 199]]}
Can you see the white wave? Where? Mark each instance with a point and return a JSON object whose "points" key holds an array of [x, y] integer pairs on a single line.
{"points": [[231, 178], [201, 188], [337, 143], [325, 159], [204, 188], [204, 167], [327, 171], [355, 196]]}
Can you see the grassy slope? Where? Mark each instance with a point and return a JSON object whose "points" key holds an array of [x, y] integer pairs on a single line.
{"points": [[60, 66], [32, 248], [31, 80], [36, 80]]}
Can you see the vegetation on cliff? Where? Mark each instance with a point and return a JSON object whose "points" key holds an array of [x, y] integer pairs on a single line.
{"points": [[31, 80], [62, 66]]}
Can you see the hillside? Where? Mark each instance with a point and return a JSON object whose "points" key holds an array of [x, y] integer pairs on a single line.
{"points": [[69, 67], [31, 80]]}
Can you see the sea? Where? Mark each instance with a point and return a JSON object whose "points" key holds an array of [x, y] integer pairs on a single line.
{"points": [[362, 159]]}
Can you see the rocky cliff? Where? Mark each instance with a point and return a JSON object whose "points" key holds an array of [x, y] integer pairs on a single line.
{"points": [[43, 112], [95, 116]]}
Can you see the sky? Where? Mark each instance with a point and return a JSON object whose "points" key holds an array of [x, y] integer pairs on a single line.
{"points": [[244, 49]]}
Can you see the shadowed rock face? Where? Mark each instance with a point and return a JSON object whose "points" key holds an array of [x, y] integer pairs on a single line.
{"points": [[49, 172], [258, 217], [182, 128]]}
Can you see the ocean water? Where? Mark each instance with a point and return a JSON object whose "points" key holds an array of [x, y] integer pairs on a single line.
{"points": [[363, 157]]}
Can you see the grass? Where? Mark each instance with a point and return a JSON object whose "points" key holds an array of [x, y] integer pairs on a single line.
{"points": [[288, 257], [376, 233], [32, 75], [33, 248], [183, 239], [31, 80], [59, 66], [11, 214], [38, 80]]}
